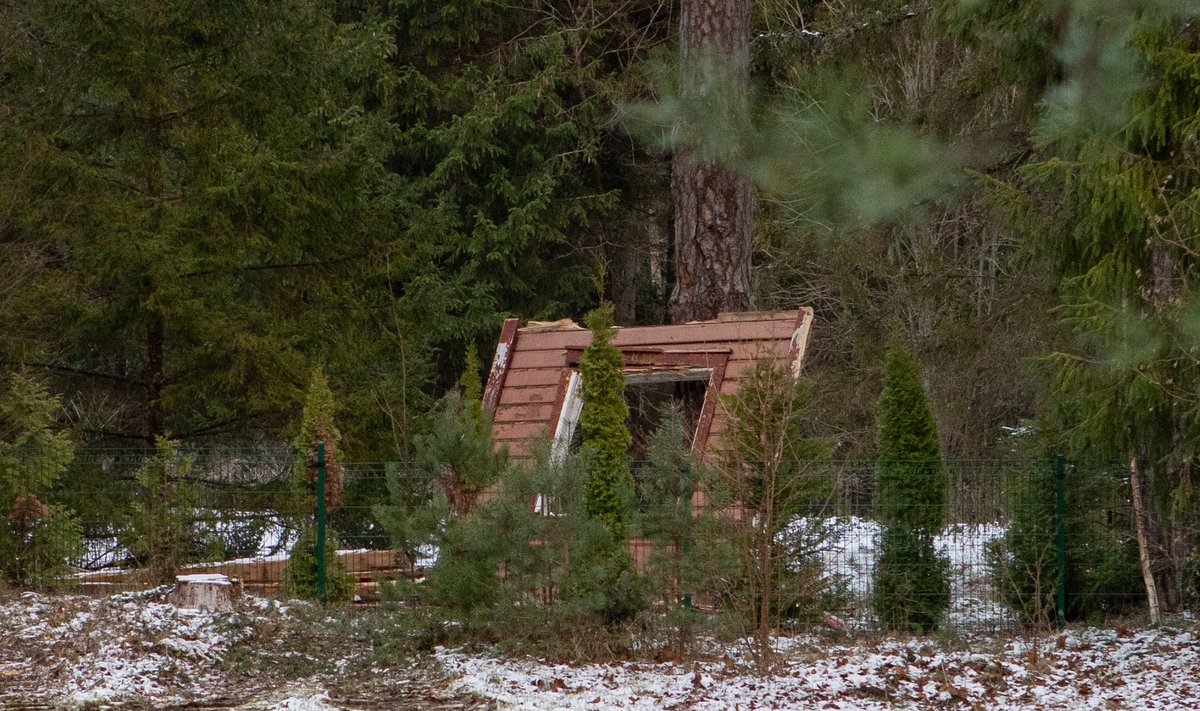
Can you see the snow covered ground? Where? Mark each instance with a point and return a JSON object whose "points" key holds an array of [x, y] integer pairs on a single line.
{"points": [[92, 651], [1084, 669], [75, 651]]}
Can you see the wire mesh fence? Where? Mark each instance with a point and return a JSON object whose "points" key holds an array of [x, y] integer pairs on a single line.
{"points": [[1018, 542]]}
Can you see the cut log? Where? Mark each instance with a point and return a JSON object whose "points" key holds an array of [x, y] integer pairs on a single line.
{"points": [[208, 592]]}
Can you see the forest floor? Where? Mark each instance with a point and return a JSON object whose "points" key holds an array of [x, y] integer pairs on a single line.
{"points": [[134, 650]]}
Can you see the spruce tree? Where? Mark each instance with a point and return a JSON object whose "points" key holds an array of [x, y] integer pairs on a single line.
{"points": [[1110, 198], [609, 484], [188, 162], [911, 589]]}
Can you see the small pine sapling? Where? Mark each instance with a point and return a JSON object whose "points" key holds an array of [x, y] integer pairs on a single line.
{"points": [[693, 557], [458, 454], [767, 469], [431, 509]]}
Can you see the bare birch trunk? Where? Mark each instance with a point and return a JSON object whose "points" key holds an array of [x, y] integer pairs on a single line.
{"points": [[1139, 524]]}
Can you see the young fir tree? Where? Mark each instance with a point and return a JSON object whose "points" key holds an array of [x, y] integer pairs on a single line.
{"points": [[911, 588], [317, 426], [37, 539], [606, 439], [163, 516]]}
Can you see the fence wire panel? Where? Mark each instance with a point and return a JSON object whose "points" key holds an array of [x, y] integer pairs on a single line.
{"points": [[136, 518], [999, 544], [1013, 549]]}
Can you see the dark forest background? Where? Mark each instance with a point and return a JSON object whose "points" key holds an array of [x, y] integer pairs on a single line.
{"points": [[200, 201]]}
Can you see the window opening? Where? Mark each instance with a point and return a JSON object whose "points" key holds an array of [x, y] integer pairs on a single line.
{"points": [[648, 403]]}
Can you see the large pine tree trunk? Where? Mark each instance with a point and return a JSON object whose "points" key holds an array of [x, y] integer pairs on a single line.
{"points": [[713, 203]]}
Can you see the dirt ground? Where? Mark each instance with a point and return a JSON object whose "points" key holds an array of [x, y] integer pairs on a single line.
{"points": [[137, 651]]}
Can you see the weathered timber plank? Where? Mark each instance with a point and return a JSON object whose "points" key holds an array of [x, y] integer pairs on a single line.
{"points": [[529, 394], [524, 412], [532, 376]]}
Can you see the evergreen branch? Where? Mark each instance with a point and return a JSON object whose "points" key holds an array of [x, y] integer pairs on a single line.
{"points": [[114, 433], [67, 370], [215, 428], [274, 266]]}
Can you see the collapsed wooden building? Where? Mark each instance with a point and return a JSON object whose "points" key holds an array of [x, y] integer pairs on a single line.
{"points": [[534, 385]]}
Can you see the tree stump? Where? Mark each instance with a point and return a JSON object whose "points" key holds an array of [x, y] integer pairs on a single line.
{"points": [[208, 592]]}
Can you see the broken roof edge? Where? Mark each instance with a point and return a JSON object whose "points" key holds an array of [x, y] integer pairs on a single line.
{"points": [[566, 324], [563, 324]]}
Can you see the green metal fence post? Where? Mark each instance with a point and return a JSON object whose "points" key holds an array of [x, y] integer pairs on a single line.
{"points": [[321, 522], [1060, 539]]}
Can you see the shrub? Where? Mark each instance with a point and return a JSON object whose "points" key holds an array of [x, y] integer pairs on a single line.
{"points": [[1102, 574], [300, 573], [37, 539], [911, 586], [910, 591]]}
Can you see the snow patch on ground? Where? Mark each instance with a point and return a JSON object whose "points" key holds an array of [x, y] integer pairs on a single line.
{"points": [[296, 698], [74, 651]]}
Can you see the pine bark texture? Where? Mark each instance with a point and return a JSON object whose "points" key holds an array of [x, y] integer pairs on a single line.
{"points": [[713, 203]]}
